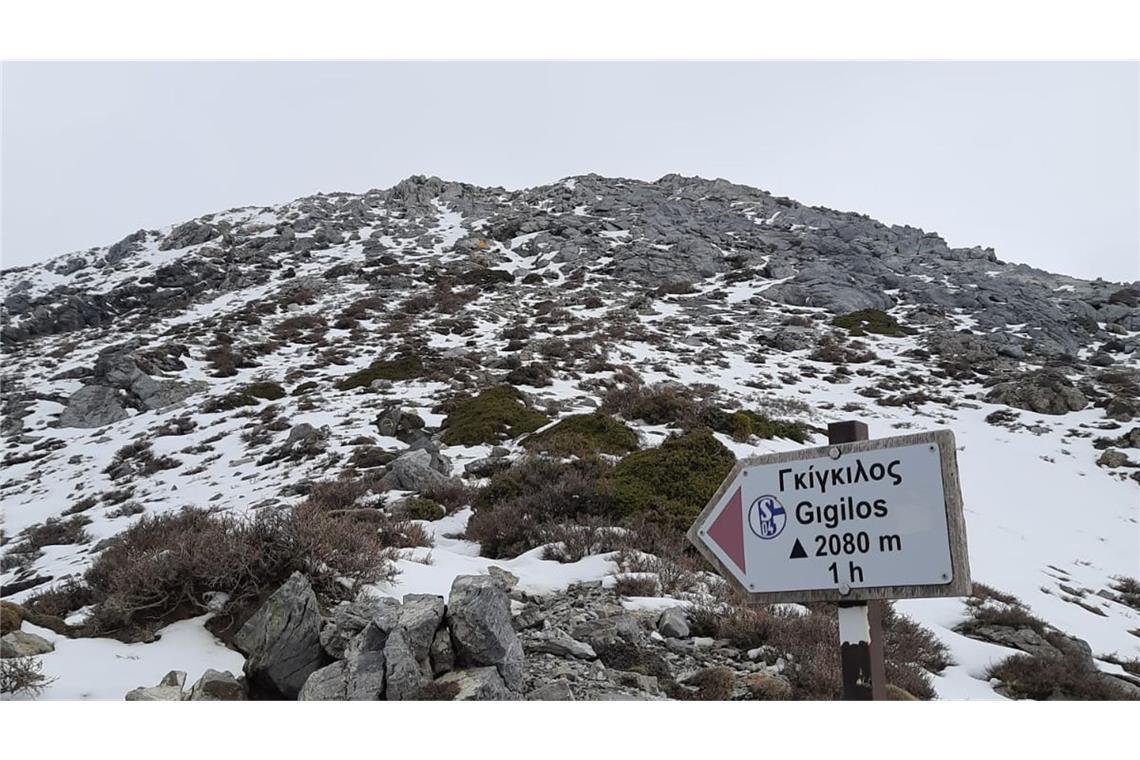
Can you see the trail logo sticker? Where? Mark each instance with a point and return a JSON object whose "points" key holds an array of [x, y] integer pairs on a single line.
{"points": [[766, 517]]}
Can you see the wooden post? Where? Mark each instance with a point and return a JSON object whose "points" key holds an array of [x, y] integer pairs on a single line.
{"points": [[860, 623]]}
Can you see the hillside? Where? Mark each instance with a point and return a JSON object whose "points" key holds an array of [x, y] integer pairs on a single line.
{"points": [[395, 363]]}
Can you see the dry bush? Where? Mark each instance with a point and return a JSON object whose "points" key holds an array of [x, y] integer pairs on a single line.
{"points": [[636, 585], [60, 600], [515, 512], [1128, 590], [166, 567], [654, 404], [49, 533], [341, 493], [813, 641], [1068, 676], [22, 675], [570, 542], [452, 493]]}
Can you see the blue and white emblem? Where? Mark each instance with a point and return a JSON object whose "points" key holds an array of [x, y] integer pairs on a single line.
{"points": [[766, 517]]}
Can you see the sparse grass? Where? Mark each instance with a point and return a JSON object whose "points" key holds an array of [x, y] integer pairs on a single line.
{"points": [[581, 433], [495, 414]]}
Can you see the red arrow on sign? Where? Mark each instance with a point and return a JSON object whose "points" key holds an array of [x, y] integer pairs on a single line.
{"points": [[727, 531]]}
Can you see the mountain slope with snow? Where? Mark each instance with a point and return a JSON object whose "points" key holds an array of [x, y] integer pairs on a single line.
{"points": [[158, 340]]}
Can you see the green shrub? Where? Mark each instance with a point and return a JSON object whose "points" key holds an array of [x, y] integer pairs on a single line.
{"points": [[305, 387], [268, 391], [580, 433], [406, 367], [874, 321], [421, 509], [674, 481], [495, 414]]}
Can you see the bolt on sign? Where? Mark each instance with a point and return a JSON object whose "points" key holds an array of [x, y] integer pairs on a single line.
{"points": [[879, 519]]}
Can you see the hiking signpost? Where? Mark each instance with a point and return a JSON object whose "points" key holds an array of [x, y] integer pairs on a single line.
{"points": [[852, 522]]}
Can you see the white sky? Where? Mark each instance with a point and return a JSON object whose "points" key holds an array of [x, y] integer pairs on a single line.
{"points": [[1039, 160]]}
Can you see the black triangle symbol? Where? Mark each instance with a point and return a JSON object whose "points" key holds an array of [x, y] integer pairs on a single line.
{"points": [[798, 551]]}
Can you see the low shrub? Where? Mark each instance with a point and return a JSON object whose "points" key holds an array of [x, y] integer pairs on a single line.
{"points": [[168, 566], [494, 415], [990, 607], [451, 493], [672, 482], [636, 585], [519, 508], [653, 404], [403, 367], [1067, 676], [812, 640], [871, 321], [265, 390], [51, 532], [1127, 590], [23, 676], [580, 433]]}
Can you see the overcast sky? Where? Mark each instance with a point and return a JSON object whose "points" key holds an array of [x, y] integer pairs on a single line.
{"points": [[1039, 160]]}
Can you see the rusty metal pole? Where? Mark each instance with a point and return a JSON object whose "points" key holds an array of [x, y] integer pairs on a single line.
{"points": [[860, 623]]}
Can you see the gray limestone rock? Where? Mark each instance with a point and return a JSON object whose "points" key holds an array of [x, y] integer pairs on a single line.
{"points": [[281, 641]]}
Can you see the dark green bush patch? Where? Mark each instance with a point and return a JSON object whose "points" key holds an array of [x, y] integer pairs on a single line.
{"points": [[492, 416], [305, 387], [268, 391], [578, 433], [874, 321], [247, 395], [404, 367], [742, 424], [674, 481]]}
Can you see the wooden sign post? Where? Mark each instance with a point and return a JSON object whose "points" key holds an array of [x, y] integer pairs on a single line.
{"points": [[860, 623]]}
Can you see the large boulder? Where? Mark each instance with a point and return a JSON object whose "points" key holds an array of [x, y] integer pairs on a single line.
{"points": [[328, 683], [479, 615], [24, 644], [420, 616], [367, 660], [350, 618], [405, 676], [92, 406], [412, 471], [282, 640], [1045, 391]]}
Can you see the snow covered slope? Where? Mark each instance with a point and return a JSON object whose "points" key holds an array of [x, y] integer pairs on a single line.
{"points": [[688, 281]]}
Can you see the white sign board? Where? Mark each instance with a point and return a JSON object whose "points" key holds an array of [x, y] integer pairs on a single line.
{"points": [[866, 520]]}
